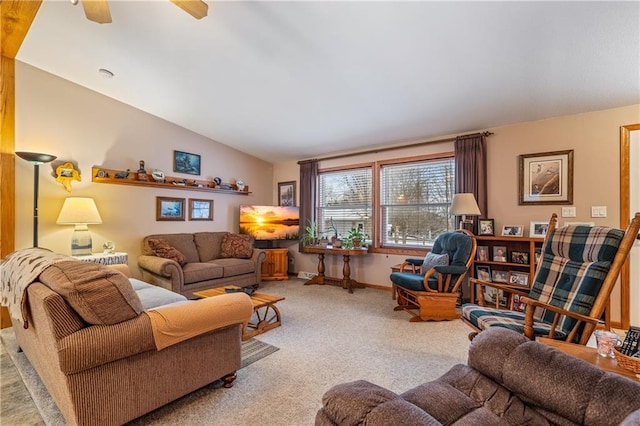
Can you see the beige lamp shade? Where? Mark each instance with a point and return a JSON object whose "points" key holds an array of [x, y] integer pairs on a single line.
{"points": [[464, 204], [79, 211]]}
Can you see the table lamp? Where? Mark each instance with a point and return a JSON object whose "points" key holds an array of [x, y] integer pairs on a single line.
{"points": [[79, 211], [464, 204], [36, 159]]}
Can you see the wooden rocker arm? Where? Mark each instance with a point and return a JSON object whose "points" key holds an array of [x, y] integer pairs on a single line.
{"points": [[528, 322], [411, 265]]}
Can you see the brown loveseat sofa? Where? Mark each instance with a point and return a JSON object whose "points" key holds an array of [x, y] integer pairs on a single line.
{"points": [[509, 380], [110, 349], [208, 262]]}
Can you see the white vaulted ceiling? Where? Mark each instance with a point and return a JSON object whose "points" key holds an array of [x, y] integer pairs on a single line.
{"points": [[294, 80]]}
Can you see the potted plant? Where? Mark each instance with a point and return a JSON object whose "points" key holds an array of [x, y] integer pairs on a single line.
{"points": [[356, 237], [310, 236]]}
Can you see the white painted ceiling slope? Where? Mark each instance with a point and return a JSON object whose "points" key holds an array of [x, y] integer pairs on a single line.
{"points": [[294, 80]]}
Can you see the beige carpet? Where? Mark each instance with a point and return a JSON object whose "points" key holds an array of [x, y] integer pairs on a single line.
{"points": [[328, 336]]}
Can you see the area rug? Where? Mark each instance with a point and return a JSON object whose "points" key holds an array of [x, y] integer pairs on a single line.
{"points": [[252, 350]]}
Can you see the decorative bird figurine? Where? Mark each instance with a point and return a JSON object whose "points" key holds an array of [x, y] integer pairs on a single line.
{"points": [[122, 175]]}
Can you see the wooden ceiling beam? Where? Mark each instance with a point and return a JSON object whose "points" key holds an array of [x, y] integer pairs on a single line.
{"points": [[16, 17]]}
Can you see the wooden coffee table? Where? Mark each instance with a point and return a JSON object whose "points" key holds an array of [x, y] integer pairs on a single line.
{"points": [[265, 313]]}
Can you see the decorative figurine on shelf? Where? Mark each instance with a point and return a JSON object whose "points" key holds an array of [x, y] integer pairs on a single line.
{"points": [[240, 185], [122, 175], [109, 247], [158, 175], [142, 173], [217, 181], [182, 182]]}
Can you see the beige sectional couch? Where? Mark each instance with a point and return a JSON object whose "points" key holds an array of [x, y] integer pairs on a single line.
{"points": [[98, 340], [205, 265]]}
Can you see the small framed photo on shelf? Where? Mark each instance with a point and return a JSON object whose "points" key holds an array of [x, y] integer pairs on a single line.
{"points": [[512, 231], [485, 227], [520, 257], [494, 296], [483, 272], [517, 304], [499, 253], [538, 229], [519, 278], [498, 276], [536, 255], [169, 208], [183, 162], [200, 209], [482, 253]]}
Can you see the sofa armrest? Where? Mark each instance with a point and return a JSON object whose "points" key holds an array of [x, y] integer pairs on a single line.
{"points": [[258, 257], [96, 345], [175, 323], [362, 402], [162, 267]]}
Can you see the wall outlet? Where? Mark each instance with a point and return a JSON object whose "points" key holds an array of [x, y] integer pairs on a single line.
{"points": [[598, 211], [568, 212]]}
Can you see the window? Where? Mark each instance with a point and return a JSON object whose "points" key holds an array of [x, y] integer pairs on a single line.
{"points": [[344, 201], [414, 201]]}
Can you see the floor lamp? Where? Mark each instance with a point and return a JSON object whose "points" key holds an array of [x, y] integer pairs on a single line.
{"points": [[36, 159]]}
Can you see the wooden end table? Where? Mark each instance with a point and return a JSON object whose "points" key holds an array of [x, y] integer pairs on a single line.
{"points": [[265, 313], [346, 282], [591, 356]]}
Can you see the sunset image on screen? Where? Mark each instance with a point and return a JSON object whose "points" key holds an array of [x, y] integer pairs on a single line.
{"points": [[270, 222]]}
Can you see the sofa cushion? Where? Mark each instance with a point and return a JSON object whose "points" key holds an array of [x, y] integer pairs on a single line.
{"points": [[196, 272], [100, 295], [163, 249], [237, 245], [182, 242], [234, 267], [209, 244]]}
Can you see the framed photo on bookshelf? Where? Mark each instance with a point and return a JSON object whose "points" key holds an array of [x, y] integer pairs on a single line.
{"points": [[538, 229], [517, 304], [519, 278], [499, 253], [494, 296], [483, 272], [498, 276], [512, 231], [485, 227], [521, 257], [482, 253]]}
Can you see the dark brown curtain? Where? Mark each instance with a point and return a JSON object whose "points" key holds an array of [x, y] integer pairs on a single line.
{"points": [[471, 170], [308, 179]]}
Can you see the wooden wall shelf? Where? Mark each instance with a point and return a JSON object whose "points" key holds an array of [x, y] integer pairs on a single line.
{"points": [[205, 186]]}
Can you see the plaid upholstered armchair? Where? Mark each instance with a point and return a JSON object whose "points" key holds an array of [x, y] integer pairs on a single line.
{"points": [[571, 287], [432, 285]]}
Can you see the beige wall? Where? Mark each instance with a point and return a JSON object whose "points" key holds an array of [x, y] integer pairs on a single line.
{"points": [[58, 117], [593, 136], [61, 118]]}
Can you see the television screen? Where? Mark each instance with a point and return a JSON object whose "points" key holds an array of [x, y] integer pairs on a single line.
{"points": [[270, 222]]}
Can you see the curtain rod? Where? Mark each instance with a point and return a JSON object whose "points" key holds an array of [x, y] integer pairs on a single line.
{"points": [[392, 148]]}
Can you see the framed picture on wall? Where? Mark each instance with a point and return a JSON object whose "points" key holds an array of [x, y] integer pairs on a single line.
{"points": [[168, 208], [183, 162], [287, 194], [546, 178], [200, 209]]}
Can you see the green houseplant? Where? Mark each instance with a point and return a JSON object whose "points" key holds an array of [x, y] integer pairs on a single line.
{"points": [[356, 237], [310, 236]]}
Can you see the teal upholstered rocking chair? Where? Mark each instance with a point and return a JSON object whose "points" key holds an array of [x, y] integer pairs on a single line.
{"points": [[432, 287], [571, 288]]}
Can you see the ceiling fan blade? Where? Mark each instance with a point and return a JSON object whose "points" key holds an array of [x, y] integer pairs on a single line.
{"points": [[196, 8], [97, 11]]}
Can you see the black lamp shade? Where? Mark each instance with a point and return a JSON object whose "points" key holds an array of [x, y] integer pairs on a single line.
{"points": [[36, 157]]}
